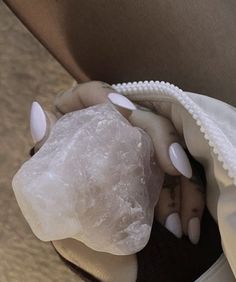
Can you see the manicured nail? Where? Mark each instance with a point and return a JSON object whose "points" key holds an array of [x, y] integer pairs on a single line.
{"points": [[180, 160], [173, 224], [121, 101], [38, 122], [194, 230]]}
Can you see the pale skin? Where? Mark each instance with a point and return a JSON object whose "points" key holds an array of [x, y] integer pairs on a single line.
{"points": [[182, 200]]}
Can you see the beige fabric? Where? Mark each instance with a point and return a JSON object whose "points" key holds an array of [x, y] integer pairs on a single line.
{"points": [[27, 72], [104, 266]]}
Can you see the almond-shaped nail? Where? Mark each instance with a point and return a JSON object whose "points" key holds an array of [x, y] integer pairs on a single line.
{"points": [[173, 224], [38, 122], [194, 230], [180, 160], [121, 101]]}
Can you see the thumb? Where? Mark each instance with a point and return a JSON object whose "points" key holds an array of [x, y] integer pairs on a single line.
{"points": [[41, 123]]}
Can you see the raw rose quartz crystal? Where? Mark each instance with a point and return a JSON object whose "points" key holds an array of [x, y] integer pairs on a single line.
{"points": [[93, 180]]}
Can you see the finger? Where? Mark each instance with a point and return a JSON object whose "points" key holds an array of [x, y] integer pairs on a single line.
{"points": [[38, 122], [168, 206], [170, 154], [122, 104], [83, 95], [41, 123], [192, 203], [92, 93]]}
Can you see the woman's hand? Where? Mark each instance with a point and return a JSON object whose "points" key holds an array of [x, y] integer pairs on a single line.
{"points": [[182, 198]]}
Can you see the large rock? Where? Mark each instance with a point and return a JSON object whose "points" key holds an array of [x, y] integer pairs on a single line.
{"points": [[93, 180]]}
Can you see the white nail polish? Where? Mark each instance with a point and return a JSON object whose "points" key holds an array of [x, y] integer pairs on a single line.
{"points": [[173, 224], [38, 122], [121, 101], [180, 160], [194, 230]]}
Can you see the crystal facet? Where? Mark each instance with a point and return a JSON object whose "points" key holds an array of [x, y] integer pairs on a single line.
{"points": [[93, 180]]}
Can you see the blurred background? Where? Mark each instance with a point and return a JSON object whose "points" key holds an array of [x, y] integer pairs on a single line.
{"points": [[27, 73]]}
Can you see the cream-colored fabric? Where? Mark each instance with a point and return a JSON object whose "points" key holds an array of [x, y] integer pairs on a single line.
{"points": [[104, 266], [218, 119], [219, 272]]}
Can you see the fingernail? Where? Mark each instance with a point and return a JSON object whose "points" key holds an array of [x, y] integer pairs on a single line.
{"points": [[121, 101], [38, 122], [180, 160], [173, 224], [194, 230]]}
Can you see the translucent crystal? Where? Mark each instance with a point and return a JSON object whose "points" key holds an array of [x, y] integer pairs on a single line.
{"points": [[93, 180]]}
